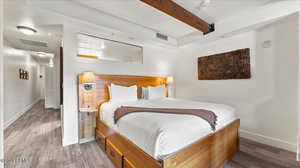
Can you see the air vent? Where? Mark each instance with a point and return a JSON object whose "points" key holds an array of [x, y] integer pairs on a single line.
{"points": [[34, 43], [162, 36]]}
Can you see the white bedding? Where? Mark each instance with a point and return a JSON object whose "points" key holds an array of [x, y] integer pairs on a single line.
{"points": [[160, 135]]}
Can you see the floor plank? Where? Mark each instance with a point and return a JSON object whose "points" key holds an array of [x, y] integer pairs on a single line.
{"points": [[36, 137]]}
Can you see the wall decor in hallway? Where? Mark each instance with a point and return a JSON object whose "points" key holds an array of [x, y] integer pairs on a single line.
{"points": [[23, 74]]}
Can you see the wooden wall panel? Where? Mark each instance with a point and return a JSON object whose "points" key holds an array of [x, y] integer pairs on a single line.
{"points": [[103, 81]]}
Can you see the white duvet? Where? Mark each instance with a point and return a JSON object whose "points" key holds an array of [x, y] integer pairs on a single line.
{"points": [[160, 135]]}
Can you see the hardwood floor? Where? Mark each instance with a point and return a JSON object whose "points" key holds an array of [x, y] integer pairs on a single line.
{"points": [[34, 141]]}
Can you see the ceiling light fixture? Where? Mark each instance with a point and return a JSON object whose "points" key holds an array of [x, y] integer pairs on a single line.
{"points": [[41, 54], [206, 2], [103, 45], [51, 64], [26, 30], [203, 4]]}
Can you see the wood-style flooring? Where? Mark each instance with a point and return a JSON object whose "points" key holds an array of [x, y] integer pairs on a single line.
{"points": [[34, 141]]}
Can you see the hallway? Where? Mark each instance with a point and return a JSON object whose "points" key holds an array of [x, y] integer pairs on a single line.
{"points": [[34, 141]]}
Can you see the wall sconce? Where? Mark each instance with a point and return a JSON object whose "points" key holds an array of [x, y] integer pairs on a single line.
{"points": [[170, 80], [88, 78], [51, 64], [170, 86]]}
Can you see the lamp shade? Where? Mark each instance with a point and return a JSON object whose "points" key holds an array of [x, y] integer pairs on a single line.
{"points": [[170, 80], [88, 77]]}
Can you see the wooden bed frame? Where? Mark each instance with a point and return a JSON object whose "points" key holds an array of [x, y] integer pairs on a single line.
{"points": [[211, 151]]}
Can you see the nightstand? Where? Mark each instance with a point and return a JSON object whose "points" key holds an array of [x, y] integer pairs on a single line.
{"points": [[87, 101], [87, 126]]}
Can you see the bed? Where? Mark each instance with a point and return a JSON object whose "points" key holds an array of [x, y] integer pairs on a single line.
{"points": [[148, 140]]}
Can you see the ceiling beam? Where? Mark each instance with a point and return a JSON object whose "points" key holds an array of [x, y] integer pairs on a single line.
{"points": [[173, 9]]}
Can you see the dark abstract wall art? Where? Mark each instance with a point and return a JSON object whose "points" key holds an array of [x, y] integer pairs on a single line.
{"points": [[229, 65]]}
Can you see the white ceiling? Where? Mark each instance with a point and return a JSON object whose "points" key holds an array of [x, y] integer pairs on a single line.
{"points": [[136, 19], [219, 10], [16, 14], [137, 12]]}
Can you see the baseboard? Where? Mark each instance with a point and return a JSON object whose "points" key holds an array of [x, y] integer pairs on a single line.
{"points": [[56, 107], [81, 141], [19, 114], [70, 141], [269, 141]]}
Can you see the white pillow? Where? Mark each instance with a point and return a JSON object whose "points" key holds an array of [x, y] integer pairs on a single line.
{"points": [[122, 93], [156, 92]]}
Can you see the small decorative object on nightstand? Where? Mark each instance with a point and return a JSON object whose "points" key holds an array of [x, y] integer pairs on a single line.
{"points": [[87, 106]]}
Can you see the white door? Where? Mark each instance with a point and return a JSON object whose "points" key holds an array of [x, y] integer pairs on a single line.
{"points": [[42, 81], [50, 89]]}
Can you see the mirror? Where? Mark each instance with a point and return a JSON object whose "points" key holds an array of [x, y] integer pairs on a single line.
{"points": [[108, 50]]}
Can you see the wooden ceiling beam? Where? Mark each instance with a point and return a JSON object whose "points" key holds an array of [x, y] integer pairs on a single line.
{"points": [[173, 9]]}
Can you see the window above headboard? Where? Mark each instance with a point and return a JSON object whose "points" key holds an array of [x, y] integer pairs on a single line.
{"points": [[89, 46], [109, 50]]}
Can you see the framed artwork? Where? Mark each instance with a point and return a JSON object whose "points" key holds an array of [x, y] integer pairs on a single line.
{"points": [[229, 65], [23, 74]]}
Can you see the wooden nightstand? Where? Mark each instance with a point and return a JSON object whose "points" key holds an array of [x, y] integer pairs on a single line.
{"points": [[87, 116], [87, 100], [87, 126]]}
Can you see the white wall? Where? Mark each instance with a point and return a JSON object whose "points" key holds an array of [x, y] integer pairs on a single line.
{"points": [[19, 95], [1, 84], [157, 61], [266, 103], [298, 121]]}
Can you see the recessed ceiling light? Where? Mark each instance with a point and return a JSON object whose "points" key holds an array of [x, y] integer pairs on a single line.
{"points": [[203, 4], [26, 30], [206, 2], [103, 46]]}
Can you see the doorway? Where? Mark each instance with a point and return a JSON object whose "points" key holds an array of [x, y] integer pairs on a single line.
{"points": [[32, 83]]}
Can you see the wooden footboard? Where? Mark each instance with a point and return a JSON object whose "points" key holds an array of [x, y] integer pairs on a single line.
{"points": [[209, 152], [133, 156]]}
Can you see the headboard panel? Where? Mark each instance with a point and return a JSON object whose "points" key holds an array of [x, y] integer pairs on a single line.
{"points": [[102, 82]]}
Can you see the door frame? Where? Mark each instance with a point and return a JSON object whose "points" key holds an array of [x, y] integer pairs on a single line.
{"points": [[61, 76]]}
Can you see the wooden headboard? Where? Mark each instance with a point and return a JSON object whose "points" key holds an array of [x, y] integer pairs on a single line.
{"points": [[103, 81]]}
